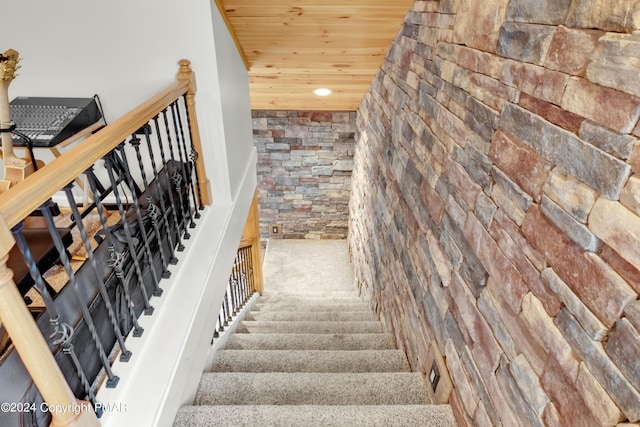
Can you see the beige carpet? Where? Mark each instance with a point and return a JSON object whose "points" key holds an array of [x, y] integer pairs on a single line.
{"points": [[311, 353]]}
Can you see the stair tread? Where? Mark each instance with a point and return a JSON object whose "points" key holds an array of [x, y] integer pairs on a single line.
{"points": [[313, 316], [310, 361], [307, 327], [311, 342], [309, 306], [317, 416], [241, 388]]}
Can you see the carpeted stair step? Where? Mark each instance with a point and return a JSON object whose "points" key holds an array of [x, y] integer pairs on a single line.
{"points": [[311, 316], [310, 361], [346, 298], [240, 388], [309, 306], [317, 416], [275, 327], [311, 342]]}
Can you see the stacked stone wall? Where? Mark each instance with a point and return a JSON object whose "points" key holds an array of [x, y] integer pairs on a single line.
{"points": [[495, 210], [304, 168]]}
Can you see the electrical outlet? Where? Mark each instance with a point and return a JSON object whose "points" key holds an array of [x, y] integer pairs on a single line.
{"points": [[275, 230]]}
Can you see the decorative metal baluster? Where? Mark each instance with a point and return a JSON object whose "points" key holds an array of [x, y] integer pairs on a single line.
{"points": [[234, 290], [157, 291], [62, 332], [227, 312], [245, 269], [112, 380], [116, 259], [182, 151], [219, 327], [193, 155], [125, 354], [252, 285], [158, 187], [177, 179], [164, 172], [148, 309]]}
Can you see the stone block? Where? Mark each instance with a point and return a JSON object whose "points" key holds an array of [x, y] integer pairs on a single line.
{"points": [[616, 61], [495, 263], [527, 169], [623, 346], [612, 108], [478, 24], [515, 399], [596, 398], [593, 281], [618, 227], [592, 166], [476, 163], [468, 397], [480, 62], [529, 384], [600, 365], [570, 50], [520, 335], [525, 42], [551, 416], [432, 202], [630, 196], [507, 205], [613, 143], [478, 384], [632, 314], [481, 417], [551, 12], [551, 113], [442, 264], [529, 273], [547, 335], [590, 323], [621, 16], [484, 210], [491, 92], [500, 398], [470, 268], [572, 195], [534, 80], [480, 118], [565, 397], [489, 310], [462, 182], [343, 165], [511, 189], [482, 342], [515, 234], [578, 232]]}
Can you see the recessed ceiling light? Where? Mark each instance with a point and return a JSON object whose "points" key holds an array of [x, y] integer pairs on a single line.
{"points": [[322, 91]]}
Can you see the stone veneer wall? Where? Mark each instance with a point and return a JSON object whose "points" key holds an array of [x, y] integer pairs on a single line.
{"points": [[495, 212], [305, 160]]}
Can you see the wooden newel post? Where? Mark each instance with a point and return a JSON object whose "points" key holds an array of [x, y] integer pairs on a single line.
{"points": [[251, 235], [187, 74], [33, 349]]}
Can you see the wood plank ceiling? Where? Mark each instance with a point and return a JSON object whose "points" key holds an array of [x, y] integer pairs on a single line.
{"points": [[292, 47]]}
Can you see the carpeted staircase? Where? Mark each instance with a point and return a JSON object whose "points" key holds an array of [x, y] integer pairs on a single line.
{"points": [[314, 357]]}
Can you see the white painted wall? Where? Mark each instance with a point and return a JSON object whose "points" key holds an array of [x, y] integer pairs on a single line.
{"points": [[125, 51]]}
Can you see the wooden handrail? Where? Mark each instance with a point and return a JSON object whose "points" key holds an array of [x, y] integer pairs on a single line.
{"points": [[28, 195]]}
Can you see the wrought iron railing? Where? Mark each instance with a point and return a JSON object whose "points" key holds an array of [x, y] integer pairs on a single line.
{"points": [[146, 188], [241, 286]]}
